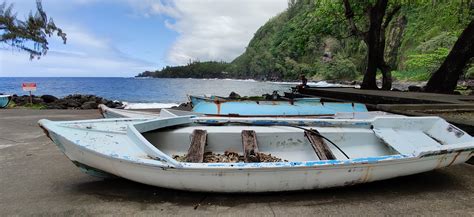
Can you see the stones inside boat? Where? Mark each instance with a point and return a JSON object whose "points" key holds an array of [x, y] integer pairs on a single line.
{"points": [[230, 157]]}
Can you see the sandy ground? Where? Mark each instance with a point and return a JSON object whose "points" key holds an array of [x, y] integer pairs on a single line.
{"points": [[37, 179]]}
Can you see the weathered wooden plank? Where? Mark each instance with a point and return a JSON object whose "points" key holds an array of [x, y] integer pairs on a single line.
{"points": [[196, 149], [319, 146], [249, 143]]}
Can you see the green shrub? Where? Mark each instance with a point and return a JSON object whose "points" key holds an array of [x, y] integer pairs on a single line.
{"points": [[337, 69], [411, 75], [426, 62], [444, 40], [470, 73]]}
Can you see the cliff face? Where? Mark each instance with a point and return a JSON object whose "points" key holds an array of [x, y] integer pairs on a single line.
{"points": [[312, 38]]}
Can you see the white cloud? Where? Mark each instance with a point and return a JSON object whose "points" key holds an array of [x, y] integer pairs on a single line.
{"points": [[208, 30], [84, 55], [59, 65], [212, 29], [78, 36]]}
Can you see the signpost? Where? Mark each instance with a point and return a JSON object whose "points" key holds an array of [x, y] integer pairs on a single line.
{"points": [[29, 87]]}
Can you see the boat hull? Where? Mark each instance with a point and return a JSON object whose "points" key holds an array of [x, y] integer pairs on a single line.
{"points": [[301, 107], [258, 179], [4, 100], [107, 112]]}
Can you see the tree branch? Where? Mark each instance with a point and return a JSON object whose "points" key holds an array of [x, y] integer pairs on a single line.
{"points": [[390, 16], [36, 29], [349, 13]]}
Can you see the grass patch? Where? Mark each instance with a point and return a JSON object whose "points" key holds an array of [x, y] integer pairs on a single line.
{"points": [[464, 90], [11, 104], [410, 76], [33, 106]]}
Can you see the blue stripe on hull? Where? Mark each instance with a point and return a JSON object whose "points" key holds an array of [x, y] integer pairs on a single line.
{"points": [[299, 107]]}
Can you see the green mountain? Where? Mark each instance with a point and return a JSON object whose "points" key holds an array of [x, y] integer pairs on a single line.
{"points": [[313, 38]]}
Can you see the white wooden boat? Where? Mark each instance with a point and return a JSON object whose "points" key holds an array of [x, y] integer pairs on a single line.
{"points": [[107, 112], [356, 151]]}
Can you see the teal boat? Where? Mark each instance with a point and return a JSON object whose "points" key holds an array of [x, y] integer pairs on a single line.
{"points": [[5, 100], [284, 107]]}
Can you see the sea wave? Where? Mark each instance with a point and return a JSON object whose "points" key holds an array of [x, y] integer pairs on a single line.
{"points": [[226, 79], [312, 84], [154, 105]]}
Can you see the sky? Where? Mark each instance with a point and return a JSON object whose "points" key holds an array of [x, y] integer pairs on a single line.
{"points": [[121, 38]]}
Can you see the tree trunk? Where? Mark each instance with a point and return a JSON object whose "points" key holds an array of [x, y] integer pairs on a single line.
{"points": [[445, 79], [369, 81], [374, 43], [386, 76], [375, 40], [394, 41]]}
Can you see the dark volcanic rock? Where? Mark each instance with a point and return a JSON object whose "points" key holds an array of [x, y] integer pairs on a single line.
{"points": [[110, 104], [73, 104], [75, 101], [414, 88], [23, 100], [118, 105], [234, 95], [49, 98], [37, 100], [89, 105], [183, 106]]}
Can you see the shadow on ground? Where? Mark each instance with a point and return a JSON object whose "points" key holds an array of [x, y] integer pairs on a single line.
{"points": [[124, 190]]}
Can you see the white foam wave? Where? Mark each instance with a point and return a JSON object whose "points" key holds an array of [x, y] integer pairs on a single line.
{"points": [[312, 84], [225, 79], [324, 84], [247, 80], [148, 105]]}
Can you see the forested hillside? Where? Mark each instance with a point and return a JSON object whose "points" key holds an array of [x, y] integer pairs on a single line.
{"points": [[210, 69], [313, 38]]}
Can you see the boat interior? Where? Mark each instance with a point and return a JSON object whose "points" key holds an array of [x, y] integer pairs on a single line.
{"points": [[286, 143], [298, 144]]}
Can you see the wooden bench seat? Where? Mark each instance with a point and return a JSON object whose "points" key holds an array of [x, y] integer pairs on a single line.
{"points": [[319, 146], [249, 143], [196, 149]]}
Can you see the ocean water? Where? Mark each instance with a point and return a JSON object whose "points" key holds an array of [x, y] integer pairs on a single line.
{"points": [[134, 90], [147, 92]]}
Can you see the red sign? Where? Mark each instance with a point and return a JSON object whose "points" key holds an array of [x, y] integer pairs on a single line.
{"points": [[29, 86]]}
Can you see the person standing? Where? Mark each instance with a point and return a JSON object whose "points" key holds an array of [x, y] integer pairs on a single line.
{"points": [[304, 83]]}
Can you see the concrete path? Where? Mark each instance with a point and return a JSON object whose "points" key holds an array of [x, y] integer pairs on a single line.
{"points": [[37, 179]]}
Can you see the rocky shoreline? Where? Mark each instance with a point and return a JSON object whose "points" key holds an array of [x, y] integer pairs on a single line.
{"points": [[75, 101], [87, 101]]}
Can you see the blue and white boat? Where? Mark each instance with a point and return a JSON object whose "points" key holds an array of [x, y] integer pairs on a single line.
{"points": [[306, 153], [5, 100], [292, 107], [107, 112]]}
